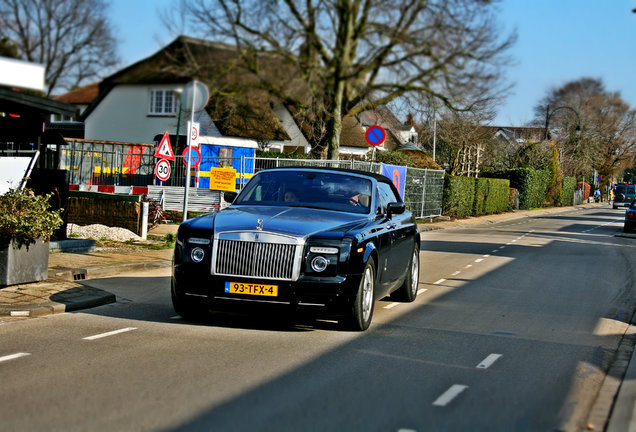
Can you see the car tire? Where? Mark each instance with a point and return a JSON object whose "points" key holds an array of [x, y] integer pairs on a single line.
{"points": [[361, 312], [186, 309], [408, 291]]}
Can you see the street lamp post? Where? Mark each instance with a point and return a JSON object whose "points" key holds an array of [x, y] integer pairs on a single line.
{"points": [[548, 115]]}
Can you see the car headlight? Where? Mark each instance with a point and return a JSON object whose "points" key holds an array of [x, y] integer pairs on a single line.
{"points": [[197, 254], [323, 250], [319, 263]]}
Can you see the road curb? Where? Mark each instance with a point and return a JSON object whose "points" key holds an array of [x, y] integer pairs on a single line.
{"points": [[106, 270], [96, 297]]}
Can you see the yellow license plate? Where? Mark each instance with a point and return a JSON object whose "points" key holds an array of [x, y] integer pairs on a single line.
{"points": [[251, 289]]}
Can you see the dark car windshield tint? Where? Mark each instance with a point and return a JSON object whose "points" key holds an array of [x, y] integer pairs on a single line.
{"points": [[323, 190]]}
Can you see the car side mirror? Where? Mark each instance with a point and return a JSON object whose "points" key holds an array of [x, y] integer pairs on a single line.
{"points": [[395, 208], [229, 197]]}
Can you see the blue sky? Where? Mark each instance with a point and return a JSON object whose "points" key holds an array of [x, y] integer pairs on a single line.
{"points": [[558, 41]]}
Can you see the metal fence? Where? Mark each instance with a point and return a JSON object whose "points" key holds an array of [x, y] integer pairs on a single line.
{"points": [[125, 164], [108, 163], [423, 187]]}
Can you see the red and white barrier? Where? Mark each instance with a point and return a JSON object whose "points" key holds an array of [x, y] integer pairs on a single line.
{"points": [[127, 190]]}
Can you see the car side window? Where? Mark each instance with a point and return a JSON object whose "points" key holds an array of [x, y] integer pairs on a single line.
{"points": [[386, 196]]}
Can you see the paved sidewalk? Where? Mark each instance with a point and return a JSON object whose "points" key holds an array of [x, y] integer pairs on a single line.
{"points": [[64, 291]]}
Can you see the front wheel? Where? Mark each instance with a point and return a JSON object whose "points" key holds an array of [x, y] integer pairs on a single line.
{"points": [[362, 310], [408, 291]]}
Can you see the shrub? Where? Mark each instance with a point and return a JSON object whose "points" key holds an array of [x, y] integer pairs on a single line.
{"points": [[25, 217], [392, 158], [491, 196], [567, 197], [532, 185], [459, 196]]}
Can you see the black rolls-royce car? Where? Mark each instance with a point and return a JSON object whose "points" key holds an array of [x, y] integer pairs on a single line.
{"points": [[328, 240]]}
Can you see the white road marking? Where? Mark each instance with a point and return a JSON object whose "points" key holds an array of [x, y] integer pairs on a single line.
{"points": [[176, 317], [111, 333], [485, 256], [20, 313], [439, 282], [449, 395], [488, 361], [456, 273], [421, 291], [479, 260], [495, 251], [14, 356], [468, 266], [391, 306], [501, 247]]}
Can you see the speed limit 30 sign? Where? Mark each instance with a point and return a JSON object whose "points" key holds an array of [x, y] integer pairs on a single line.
{"points": [[162, 170]]}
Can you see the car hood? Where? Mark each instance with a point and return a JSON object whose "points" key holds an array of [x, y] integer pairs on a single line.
{"points": [[293, 221]]}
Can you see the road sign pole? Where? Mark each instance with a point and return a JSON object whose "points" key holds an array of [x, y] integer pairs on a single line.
{"points": [[187, 185]]}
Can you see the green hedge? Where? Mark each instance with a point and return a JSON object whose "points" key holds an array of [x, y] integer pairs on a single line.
{"points": [[569, 186], [469, 196], [459, 196], [532, 184], [491, 196]]}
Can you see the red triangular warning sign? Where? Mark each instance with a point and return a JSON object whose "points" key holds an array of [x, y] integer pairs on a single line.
{"points": [[164, 149]]}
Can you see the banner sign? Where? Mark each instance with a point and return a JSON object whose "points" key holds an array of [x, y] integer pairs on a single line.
{"points": [[397, 174]]}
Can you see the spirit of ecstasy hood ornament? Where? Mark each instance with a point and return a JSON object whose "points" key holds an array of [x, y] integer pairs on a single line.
{"points": [[259, 225]]}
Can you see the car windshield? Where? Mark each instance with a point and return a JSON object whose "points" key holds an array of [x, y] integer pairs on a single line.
{"points": [[324, 190]]}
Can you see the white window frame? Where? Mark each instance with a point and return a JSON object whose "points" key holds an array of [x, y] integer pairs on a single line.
{"points": [[162, 108]]}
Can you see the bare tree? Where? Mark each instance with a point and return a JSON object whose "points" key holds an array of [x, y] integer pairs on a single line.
{"points": [[607, 141], [353, 55], [462, 142], [71, 38]]}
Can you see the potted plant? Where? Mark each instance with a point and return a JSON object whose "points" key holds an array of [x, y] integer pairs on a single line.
{"points": [[26, 225]]}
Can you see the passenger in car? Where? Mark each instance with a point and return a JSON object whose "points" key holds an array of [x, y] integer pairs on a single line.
{"points": [[291, 196]]}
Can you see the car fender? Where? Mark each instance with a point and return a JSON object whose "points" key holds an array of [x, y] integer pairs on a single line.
{"points": [[369, 250]]}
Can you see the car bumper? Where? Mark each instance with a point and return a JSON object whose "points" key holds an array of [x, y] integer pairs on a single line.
{"points": [[326, 296]]}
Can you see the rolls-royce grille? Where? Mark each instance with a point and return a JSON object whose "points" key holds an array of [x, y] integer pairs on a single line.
{"points": [[255, 259]]}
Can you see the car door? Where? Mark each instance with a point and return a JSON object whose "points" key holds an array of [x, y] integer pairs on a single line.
{"points": [[399, 230]]}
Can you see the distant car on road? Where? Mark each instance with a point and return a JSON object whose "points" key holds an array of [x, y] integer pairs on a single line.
{"points": [[624, 194], [630, 218], [342, 240]]}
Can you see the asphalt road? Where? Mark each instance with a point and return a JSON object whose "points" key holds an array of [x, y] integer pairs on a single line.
{"points": [[514, 329]]}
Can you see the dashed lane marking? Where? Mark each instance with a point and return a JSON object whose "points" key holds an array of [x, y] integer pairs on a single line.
{"points": [[488, 361], [13, 356], [391, 305], [439, 282], [450, 394], [111, 333]]}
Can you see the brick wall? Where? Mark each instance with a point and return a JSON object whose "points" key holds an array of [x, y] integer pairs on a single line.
{"points": [[86, 208]]}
